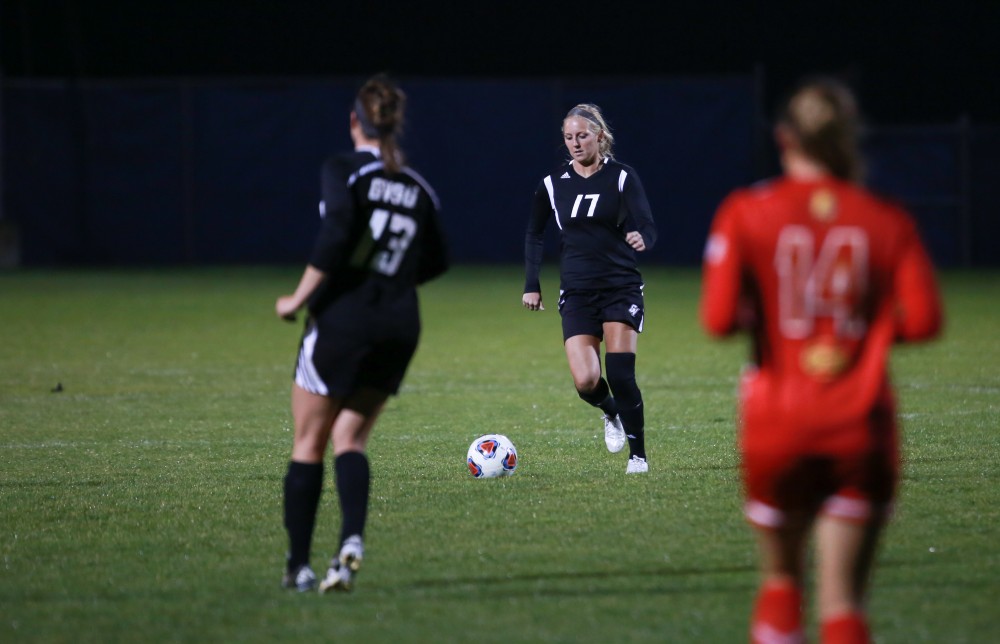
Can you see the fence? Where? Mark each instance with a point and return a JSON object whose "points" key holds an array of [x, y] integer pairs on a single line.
{"points": [[188, 171]]}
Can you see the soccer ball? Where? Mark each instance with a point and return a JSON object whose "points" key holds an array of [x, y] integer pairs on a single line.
{"points": [[492, 455]]}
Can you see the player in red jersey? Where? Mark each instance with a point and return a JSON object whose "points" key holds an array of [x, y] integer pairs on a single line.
{"points": [[824, 277]]}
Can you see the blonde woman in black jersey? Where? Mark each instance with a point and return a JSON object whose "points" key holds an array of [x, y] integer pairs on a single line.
{"points": [[604, 220]]}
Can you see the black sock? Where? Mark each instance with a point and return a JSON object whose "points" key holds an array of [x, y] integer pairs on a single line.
{"points": [[353, 481], [601, 397], [303, 486], [621, 377], [633, 420]]}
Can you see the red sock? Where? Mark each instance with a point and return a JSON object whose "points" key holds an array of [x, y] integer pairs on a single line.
{"points": [[777, 615], [846, 629]]}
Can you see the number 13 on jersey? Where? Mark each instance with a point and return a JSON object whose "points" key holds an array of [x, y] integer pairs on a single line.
{"points": [[397, 231]]}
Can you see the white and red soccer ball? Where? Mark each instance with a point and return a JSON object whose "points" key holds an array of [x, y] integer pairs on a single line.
{"points": [[492, 455]]}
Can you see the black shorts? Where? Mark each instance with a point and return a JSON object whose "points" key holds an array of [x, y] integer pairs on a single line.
{"points": [[585, 312], [350, 347]]}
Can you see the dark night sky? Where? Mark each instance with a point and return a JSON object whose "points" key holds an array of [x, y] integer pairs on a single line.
{"points": [[910, 63]]}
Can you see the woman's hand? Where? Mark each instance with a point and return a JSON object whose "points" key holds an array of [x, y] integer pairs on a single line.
{"points": [[286, 307], [532, 301], [634, 239]]}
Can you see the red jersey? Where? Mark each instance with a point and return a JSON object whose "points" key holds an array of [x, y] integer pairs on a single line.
{"points": [[825, 277]]}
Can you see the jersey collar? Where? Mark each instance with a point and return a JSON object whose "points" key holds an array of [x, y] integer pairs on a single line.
{"points": [[603, 163]]}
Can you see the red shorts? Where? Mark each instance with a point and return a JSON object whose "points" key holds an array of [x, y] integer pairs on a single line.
{"points": [[786, 473]]}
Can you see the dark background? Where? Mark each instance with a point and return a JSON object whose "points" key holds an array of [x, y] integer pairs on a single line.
{"points": [[910, 62], [179, 132]]}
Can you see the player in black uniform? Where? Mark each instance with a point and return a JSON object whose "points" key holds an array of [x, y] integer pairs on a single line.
{"points": [[380, 238], [603, 217]]}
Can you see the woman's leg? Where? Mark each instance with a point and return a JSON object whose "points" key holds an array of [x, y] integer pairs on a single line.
{"points": [[846, 553], [351, 430], [584, 355], [777, 613], [313, 416], [620, 338], [620, 341]]}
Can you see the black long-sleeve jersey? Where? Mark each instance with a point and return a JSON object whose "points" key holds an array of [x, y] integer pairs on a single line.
{"points": [[380, 230], [593, 214]]}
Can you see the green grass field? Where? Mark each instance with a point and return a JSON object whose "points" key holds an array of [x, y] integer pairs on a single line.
{"points": [[143, 501]]}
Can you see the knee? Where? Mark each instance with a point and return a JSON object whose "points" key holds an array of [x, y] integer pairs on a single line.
{"points": [[351, 432], [309, 445], [347, 444], [596, 394], [308, 451], [586, 384], [587, 377]]}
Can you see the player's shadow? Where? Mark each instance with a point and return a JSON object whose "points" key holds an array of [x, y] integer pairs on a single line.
{"points": [[657, 580], [661, 580]]}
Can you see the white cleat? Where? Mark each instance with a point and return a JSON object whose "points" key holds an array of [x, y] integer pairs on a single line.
{"points": [[637, 465], [302, 579], [340, 576], [337, 578], [614, 434], [352, 552]]}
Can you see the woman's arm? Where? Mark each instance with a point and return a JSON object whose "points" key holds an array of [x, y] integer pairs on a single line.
{"points": [[288, 305]]}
